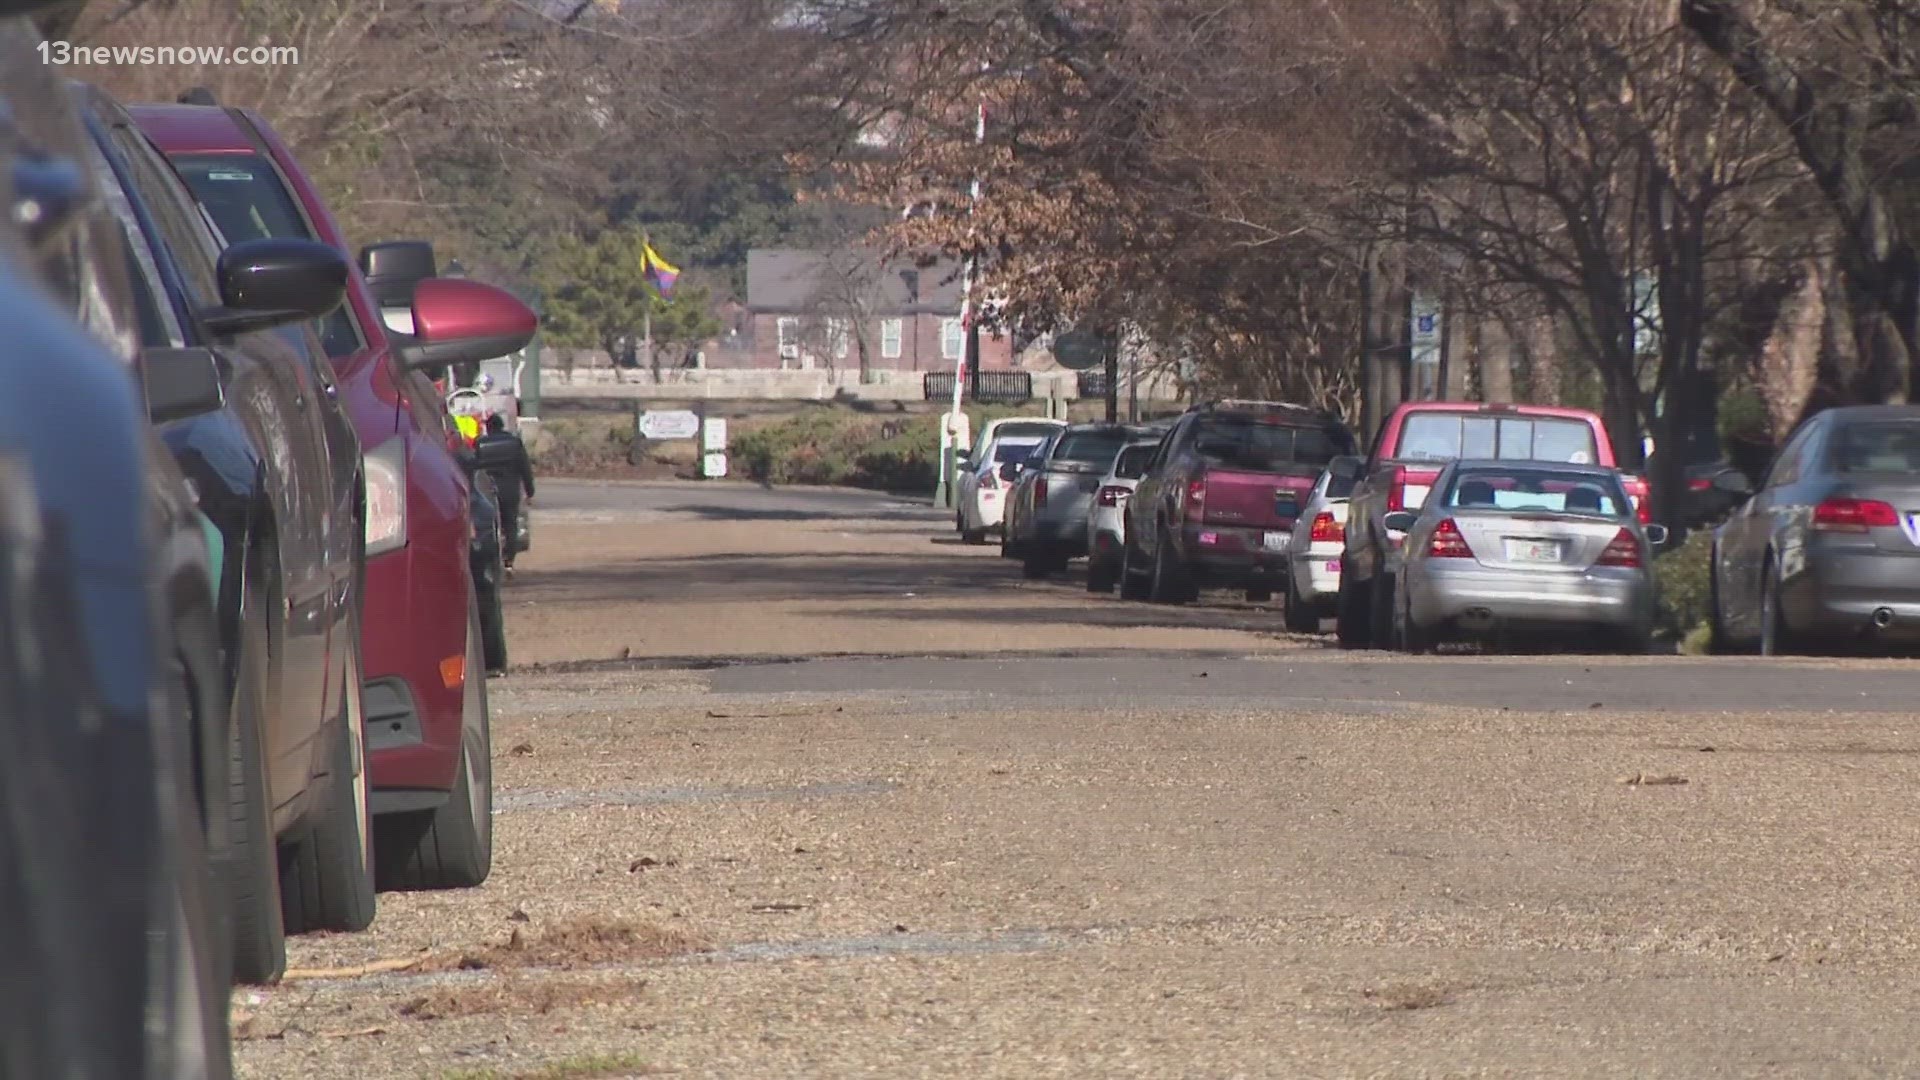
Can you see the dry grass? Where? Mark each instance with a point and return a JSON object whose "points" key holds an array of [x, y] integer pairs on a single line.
{"points": [[597, 1067], [516, 995], [1409, 997], [576, 943]]}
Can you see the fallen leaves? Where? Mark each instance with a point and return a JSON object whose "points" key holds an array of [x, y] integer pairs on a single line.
{"points": [[1641, 779]]}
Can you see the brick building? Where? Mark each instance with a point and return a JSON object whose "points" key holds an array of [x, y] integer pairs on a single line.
{"points": [[810, 309]]}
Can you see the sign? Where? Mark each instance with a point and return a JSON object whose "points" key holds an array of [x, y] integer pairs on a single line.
{"points": [[1079, 350], [672, 424], [713, 466], [1427, 327], [714, 438]]}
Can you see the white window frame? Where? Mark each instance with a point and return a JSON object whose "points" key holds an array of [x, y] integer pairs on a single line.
{"points": [[953, 339], [839, 334], [788, 329], [892, 334]]}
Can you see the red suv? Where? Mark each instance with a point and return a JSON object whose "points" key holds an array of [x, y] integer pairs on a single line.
{"points": [[427, 720]]}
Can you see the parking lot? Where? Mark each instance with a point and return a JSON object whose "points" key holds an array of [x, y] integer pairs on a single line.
{"points": [[790, 783]]}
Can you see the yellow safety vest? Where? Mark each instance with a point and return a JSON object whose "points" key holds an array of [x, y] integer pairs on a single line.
{"points": [[469, 427]]}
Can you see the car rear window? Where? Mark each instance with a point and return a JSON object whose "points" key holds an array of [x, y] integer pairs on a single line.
{"points": [[1880, 447], [1091, 447], [1133, 461], [244, 196], [1539, 490], [1340, 487], [1014, 450], [1442, 436], [1259, 444]]}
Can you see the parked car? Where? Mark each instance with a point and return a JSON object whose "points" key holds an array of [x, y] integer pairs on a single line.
{"points": [[1313, 552], [981, 491], [277, 472], [111, 679], [1106, 517], [1518, 545], [426, 621], [1047, 510], [1217, 505], [1415, 442], [1826, 551]]}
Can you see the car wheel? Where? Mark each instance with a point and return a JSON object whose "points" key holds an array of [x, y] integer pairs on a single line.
{"points": [[1719, 642], [1380, 618], [1355, 604], [450, 846], [189, 981], [1101, 575], [1413, 639], [493, 628], [1301, 616], [1134, 581], [249, 871], [1776, 637], [327, 882], [1169, 581]]}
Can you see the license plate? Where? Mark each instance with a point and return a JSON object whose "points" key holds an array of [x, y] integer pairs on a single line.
{"points": [[1276, 541], [1540, 551]]}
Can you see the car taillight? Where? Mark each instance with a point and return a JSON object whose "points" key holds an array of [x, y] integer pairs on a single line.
{"points": [[1327, 530], [1853, 515], [1196, 496], [1623, 550], [1700, 483], [386, 483], [1397, 490], [1111, 496], [1447, 543], [1040, 486]]}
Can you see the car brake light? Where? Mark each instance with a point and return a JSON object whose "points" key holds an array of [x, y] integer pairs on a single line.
{"points": [[1623, 550], [1447, 543], [1327, 530], [1111, 496], [1853, 515], [1040, 486], [1700, 483], [1196, 496], [1397, 490]]}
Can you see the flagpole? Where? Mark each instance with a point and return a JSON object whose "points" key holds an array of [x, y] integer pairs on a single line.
{"points": [[646, 316], [946, 493]]}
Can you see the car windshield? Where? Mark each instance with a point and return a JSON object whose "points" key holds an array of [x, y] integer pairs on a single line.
{"points": [[244, 196], [1259, 444], [1539, 490], [1444, 436], [1090, 447], [1880, 447]]}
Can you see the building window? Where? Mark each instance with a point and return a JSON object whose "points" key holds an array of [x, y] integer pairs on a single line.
{"points": [[953, 340], [837, 338], [789, 329], [890, 339]]}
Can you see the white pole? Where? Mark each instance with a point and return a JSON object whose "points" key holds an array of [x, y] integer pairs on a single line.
{"points": [[969, 272]]}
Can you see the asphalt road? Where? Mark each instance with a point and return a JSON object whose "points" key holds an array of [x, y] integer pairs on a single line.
{"points": [[789, 784]]}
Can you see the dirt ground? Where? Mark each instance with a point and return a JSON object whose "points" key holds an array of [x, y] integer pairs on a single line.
{"points": [[1037, 833]]}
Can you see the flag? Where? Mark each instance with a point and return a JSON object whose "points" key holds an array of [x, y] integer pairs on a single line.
{"points": [[658, 270]]}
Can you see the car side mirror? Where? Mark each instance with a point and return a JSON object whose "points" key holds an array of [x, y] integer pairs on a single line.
{"points": [[1010, 471], [458, 321], [1400, 521], [1733, 482], [1345, 467], [181, 383], [1656, 535], [271, 282]]}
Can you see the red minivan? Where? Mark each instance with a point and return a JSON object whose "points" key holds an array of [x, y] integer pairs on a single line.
{"points": [[427, 723]]}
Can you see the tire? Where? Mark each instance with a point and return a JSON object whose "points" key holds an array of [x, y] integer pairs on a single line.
{"points": [[1380, 618], [450, 846], [1135, 584], [1355, 607], [1634, 640], [326, 880], [1413, 639], [1102, 575], [975, 537], [1169, 581], [1776, 637], [1301, 617], [1719, 642], [1036, 562], [493, 632], [249, 874], [1259, 596]]}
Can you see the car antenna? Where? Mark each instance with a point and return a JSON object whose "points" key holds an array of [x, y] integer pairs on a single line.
{"points": [[199, 95]]}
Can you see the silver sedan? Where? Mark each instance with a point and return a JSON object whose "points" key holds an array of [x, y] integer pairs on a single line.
{"points": [[1524, 545]]}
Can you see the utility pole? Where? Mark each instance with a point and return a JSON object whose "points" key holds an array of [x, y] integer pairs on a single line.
{"points": [[952, 435]]}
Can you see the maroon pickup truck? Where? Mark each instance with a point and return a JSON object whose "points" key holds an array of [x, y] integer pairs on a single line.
{"points": [[1217, 505]]}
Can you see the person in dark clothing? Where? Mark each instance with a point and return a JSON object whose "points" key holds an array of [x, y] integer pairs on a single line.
{"points": [[512, 477]]}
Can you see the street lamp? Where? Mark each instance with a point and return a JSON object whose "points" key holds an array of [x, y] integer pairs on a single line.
{"points": [[952, 434]]}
